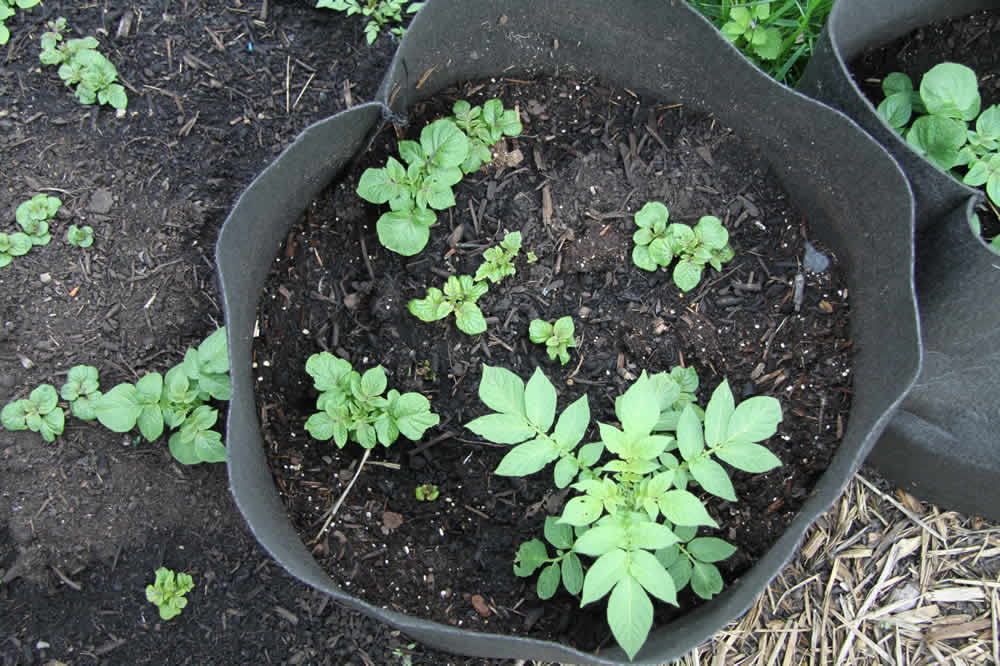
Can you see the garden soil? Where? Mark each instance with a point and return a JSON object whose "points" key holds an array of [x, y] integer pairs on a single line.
{"points": [[590, 156], [216, 91]]}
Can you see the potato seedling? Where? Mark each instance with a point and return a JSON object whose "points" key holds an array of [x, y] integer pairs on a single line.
{"points": [[82, 391], [13, 245], [80, 236], [459, 297], [498, 261], [7, 10], [168, 591], [380, 13], [557, 337], [484, 125], [658, 244], [428, 492], [81, 65], [34, 214], [633, 514], [39, 412], [947, 101]]}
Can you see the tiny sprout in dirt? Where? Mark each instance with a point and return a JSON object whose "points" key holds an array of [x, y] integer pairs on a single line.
{"points": [[80, 236], [459, 297], [81, 391], [947, 101], [380, 13], [658, 244], [81, 65], [168, 591], [498, 261], [428, 492], [33, 216], [633, 513], [557, 337]]}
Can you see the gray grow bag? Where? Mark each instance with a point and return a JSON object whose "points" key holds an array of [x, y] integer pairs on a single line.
{"points": [[845, 182], [944, 443]]}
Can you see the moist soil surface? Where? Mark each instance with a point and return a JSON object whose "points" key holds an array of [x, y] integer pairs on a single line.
{"points": [[216, 91], [972, 40], [589, 157]]}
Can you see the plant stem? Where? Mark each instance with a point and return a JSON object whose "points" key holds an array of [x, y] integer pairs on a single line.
{"points": [[340, 500]]}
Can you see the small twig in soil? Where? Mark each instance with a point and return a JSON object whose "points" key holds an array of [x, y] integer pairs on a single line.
{"points": [[76, 586], [440, 438], [340, 500]]}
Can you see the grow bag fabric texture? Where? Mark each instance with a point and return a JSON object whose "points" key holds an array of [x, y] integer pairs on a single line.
{"points": [[844, 181], [944, 443]]}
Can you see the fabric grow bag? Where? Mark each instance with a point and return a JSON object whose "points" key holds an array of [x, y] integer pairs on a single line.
{"points": [[944, 443], [845, 181]]}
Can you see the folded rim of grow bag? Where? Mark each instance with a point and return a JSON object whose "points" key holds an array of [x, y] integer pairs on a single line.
{"points": [[664, 50]]}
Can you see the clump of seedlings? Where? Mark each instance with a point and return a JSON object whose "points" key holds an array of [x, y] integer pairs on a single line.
{"points": [[557, 337], [81, 65]]}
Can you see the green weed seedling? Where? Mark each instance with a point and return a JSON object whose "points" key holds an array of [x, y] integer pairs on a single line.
{"points": [[39, 412], [498, 261], [34, 214], [13, 245], [380, 13], [168, 591], [427, 492], [81, 65], [557, 337], [778, 36], [7, 8], [80, 236], [633, 514], [352, 407], [935, 122], [176, 400], [459, 297], [658, 244]]}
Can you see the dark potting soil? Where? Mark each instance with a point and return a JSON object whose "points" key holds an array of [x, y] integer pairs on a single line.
{"points": [[589, 157], [972, 40]]}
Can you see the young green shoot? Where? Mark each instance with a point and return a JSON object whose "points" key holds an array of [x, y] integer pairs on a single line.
{"points": [[81, 65], [498, 261], [353, 408], [34, 214], [459, 298], [13, 245], [168, 591], [380, 13], [427, 492], [935, 122], [484, 125], [557, 337], [658, 244], [39, 412], [633, 514], [80, 236]]}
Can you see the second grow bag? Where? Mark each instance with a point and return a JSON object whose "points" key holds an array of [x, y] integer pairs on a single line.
{"points": [[831, 170], [944, 443]]}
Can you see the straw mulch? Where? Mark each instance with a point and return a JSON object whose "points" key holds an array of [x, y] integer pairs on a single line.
{"points": [[881, 579]]}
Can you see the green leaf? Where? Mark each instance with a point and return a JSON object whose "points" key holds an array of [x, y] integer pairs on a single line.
{"points": [[690, 440], [14, 414], [951, 90], [651, 535], [710, 549], [539, 331], [717, 414], [327, 370], [183, 449], [405, 231], [119, 409], [531, 555], [85, 407], [652, 575], [652, 212], [431, 308], [630, 615], [600, 539], [565, 471], [706, 581], [502, 391], [896, 109], [209, 448], [469, 319], [548, 581], [687, 274], [527, 458], [589, 453], [572, 573], [754, 420], [373, 382], [603, 574], [660, 252], [45, 398], [582, 510], [502, 428], [381, 186], [896, 82], [150, 388], [680, 571], [711, 232], [573, 424], [150, 422], [444, 145], [748, 457], [52, 424], [642, 258], [938, 139], [413, 415], [213, 353], [320, 426], [683, 508], [638, 408], [558, 534], [712, 477]]}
